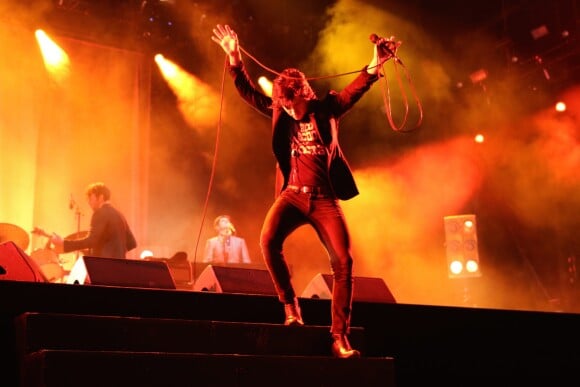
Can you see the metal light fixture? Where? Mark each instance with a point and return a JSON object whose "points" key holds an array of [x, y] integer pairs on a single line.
{"points": [[461, 246]]}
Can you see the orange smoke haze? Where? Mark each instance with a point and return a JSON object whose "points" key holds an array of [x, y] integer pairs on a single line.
{"points": [[397, 222], [155, 140]]}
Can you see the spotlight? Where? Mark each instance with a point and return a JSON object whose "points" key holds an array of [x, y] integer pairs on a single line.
{"points": [[151, 252], [56, 60], [560, 106], [539, 32], [478, 76], [461, 246], [146, 254], [266, 85]]}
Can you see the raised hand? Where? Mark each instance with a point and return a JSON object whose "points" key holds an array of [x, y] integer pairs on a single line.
{"points": [[227, 39], [386, 48]]}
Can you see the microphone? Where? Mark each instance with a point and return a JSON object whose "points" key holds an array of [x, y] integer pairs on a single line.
{"points": [[232, 228], [71, 202], [374, 38]]}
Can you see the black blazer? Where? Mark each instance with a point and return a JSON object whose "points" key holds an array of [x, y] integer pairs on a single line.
{"points": [[326, 113], [109, 236]]}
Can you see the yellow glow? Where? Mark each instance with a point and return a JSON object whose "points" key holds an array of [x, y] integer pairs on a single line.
{"points": [[456, 267], [266, 85], [479, 138], [55, 58], [471, 266], [196, 100], [146, 254], [560, 106]]}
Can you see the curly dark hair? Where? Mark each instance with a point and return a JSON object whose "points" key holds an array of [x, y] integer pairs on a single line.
{"points": [[289, 84]]}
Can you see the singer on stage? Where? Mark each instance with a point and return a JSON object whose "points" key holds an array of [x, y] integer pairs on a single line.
{"points": [[226, 247], [312, 175]]}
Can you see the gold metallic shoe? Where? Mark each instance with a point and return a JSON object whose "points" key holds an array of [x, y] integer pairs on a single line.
{"points": [[341, 347], [293, 317]]}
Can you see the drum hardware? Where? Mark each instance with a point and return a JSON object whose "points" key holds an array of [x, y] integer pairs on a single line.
{"points": [[47, 259], [76, 236]]}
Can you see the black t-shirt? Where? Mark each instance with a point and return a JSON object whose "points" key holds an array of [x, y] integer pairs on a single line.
{"points": [[309, 159]]}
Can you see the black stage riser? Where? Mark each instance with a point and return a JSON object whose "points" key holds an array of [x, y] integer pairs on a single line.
{"points": [[451, 346], [122, 369], [37, 331]]}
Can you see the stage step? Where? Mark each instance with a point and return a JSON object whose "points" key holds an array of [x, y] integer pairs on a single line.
{"points": [[58, 349], [64, 368], [37, 331]]}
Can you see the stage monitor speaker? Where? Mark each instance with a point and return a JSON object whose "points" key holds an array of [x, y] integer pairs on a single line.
{"points": [[366, 289], [16, 265], [223, 279], [121, 272]]}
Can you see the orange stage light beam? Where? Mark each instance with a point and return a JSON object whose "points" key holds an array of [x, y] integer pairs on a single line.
{"points": [[55, 59]]}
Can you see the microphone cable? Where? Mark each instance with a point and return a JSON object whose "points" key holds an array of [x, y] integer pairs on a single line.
{"points": [[386, 92], [192, 272]]}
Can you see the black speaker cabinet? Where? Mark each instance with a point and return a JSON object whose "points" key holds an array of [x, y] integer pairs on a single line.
{"points": [[16, 265], [121, 272], [223, 279], [366, 289]]}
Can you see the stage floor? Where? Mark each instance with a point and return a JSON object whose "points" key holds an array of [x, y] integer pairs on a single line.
{"points": [[450, 345]]}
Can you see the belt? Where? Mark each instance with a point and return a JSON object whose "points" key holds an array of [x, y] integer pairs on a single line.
{"points": [[313, 190]]}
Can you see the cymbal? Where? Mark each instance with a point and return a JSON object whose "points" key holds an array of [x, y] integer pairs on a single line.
{"points": [[11, 232], [77, 235]]}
